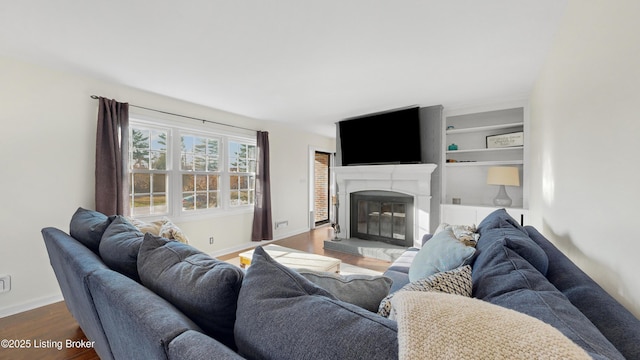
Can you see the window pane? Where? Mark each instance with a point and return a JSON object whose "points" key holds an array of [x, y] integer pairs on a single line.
{"points": [[201, 182], [158, 160], [201, 201], [213, 182], [159, 183], [159, 204], [188, 182], [213, 199], [199, 163], [140, 205], [188, 201], [141, 183], [233, 182], [158, 140]]}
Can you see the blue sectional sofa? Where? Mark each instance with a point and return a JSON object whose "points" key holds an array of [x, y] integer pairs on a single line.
{"points": [[139, 296], [518, 268]]}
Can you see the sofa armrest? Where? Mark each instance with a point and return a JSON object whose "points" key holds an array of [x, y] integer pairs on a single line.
{"points": [[138, 323], [195, 345], [612, 319]]}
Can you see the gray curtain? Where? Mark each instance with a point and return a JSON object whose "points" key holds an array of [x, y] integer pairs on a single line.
{"points": [[262, 229], [112, 137]]}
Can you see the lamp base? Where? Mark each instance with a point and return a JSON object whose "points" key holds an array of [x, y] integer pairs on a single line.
{"points": [[502, 199]]}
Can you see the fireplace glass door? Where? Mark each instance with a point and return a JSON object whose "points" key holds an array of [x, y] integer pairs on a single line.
{"points": [[382, 218]]}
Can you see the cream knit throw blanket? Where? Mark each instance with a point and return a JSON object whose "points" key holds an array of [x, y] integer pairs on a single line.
{"points": [[433, 325]]}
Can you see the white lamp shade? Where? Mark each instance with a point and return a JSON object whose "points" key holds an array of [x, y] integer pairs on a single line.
{"points": [[503, 175]]}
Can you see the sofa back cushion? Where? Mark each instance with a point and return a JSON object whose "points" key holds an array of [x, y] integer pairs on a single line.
{"points": [[500, 225], [119, 247], [281, 315], [502, 277], [87, 226], [203, 288]]}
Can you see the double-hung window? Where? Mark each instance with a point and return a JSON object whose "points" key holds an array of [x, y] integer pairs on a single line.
{"points": [[242, 173], [200, 172], [149, 166], [179, 171]]}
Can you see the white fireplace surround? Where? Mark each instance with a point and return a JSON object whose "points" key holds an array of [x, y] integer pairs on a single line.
{"points": [[410, 179]]}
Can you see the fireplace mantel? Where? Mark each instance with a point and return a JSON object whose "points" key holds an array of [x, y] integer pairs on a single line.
{"points": [[410, 179]]}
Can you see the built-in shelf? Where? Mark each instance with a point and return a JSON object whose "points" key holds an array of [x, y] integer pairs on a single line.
{"points": [[464, 178], [485, 163], [485, 150], [484, 128]]}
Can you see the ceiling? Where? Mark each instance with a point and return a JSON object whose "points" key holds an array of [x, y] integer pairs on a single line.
{"points": [[308, 63]]}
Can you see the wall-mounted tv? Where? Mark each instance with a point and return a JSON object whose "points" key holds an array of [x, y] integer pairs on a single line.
{"points": [[384, 138]]}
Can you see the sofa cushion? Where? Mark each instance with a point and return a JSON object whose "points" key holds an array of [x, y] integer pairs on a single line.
{"points": [[87, 226], [281, 315], [203, 288], [502, 277], [119, 247], [365, 291], [500, 225], [439, 325], [499, 219], [443, 252], [456, 281]]}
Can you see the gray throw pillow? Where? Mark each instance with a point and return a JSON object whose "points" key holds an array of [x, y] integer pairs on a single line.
{"points": [[203, 288], [365, 291], [282, 315], [119, 247], [443, 252], [87, 226]]}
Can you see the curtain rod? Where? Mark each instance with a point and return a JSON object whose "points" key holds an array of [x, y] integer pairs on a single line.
{"points": [[184, 116]]}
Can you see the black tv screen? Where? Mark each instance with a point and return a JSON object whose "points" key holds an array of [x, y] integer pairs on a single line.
{"points": [[386, 138]]}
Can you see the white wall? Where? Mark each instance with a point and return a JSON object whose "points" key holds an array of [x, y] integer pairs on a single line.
{"points": [[47, 163], [585, 132]]}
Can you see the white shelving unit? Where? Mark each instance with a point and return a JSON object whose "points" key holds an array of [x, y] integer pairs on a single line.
{"points": [[465, 169]]}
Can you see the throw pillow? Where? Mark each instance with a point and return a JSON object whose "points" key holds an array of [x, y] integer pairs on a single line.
{"points": [[87, 226], [282, 315], [203, 288], [456, 327], [365, 291], [164, 228], [457, 282], [442, 253], [467, 234], [119, 247]]}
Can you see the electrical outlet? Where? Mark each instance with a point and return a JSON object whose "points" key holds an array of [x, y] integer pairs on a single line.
{"points": [[211, 240], [5, 283]]}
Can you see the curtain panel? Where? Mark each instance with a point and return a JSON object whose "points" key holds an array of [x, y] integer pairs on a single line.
{"points": [[111, 142], [262, 222]]}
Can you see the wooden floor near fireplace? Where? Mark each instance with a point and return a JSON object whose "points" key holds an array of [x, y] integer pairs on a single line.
{"points": [[53, 323]]}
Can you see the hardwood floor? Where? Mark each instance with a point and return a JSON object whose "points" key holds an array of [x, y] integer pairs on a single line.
{"points": [[52, 325]]}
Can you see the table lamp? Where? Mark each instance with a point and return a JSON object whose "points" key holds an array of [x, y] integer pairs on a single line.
{"points": [[503, 175]]}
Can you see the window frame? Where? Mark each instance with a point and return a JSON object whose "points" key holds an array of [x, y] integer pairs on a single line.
{"points": [[176, 128]]}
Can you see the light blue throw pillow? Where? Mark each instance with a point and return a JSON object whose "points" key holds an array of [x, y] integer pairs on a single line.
{"points": [[442, 253]]}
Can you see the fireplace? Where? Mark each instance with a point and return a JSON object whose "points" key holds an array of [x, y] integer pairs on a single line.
{"points": [[402, 180], [382, 216]]}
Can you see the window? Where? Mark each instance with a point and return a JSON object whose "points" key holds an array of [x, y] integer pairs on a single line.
{"points": [[199, 159], [149, 171], [178, 171], [242, 169]]}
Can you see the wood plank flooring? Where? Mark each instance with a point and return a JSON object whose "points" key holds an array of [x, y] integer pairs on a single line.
{"points": [[54, 323]]}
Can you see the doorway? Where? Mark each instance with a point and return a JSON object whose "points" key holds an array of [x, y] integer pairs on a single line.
{"points": [[321, 188]]}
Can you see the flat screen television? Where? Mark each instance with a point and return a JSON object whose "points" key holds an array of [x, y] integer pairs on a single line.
{"points": [[385, 138]]}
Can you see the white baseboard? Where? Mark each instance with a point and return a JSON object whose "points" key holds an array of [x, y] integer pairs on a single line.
{"points": [[30, 305]]}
